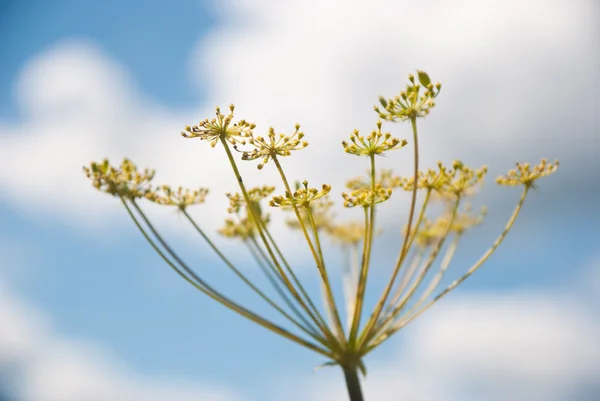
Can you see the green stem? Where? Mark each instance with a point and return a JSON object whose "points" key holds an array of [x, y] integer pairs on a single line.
{"points": [[364, 271], [267, 268], [452, 286], [353, 384], [375, 316], [215, 295], [246, 280], [261, 229]]}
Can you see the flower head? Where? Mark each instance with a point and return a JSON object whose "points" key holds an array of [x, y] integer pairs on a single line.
{"points": [[243, 228], [411, 103], [274, 145], [459, 180], [125, 181], [386, 179], [524, 175], [220, 128], [181, 197], [302, 197], [375, 143], [256, 194], [366, 197]]}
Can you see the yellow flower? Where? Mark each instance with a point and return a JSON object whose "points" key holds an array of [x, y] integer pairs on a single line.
{"points": [[256, 194], [220, 127], [374, 144], [386, 180], [366, 197], [275, 145], [410, 104], [125, 181], [302, 197], [524, 175], [181, 197]]}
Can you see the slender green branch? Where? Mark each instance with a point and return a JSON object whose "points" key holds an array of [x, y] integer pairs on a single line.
{"points": [[398, 308], [215, 295], [375, 316], [364, 271], [481, 260], [317, 255], [267, 268], [452, 286], [261, 229], [245, 279]]}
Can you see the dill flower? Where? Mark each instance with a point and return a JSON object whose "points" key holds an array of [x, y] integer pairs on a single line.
{"points": [[410, 103], [220, 127], [366, 197], [302, 197], [376, 143], [275, 145], [523, 174], [125, 181], [180, 197]]}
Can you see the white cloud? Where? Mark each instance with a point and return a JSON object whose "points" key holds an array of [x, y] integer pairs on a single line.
{"points": [[505, 67], [52, 368], [505, 346]]}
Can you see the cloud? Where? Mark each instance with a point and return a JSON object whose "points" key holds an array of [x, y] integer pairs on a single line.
{"points": [[505, 66], [48, 367], [518, 345]]}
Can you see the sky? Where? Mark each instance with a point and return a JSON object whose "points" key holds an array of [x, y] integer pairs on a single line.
{"points": [[89, 312]]}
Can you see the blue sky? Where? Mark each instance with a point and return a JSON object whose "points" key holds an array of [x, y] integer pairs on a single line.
{"points": [[89, 312]]}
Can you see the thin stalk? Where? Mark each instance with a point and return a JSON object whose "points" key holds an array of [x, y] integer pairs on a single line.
{"points": [[471, 270], [375, 316], [317, 255], [401, 287], [481, 260], [351, 284], [332, 309], [245, 279], [419, 278], [215, 295], [261, 231], [362, 279], [264, 265]]}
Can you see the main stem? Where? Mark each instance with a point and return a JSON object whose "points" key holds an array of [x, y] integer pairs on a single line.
{"points": [[353, 384]]}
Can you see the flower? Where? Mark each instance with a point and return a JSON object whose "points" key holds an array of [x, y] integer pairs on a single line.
{"points": [[411, 103], [220, 128], [125, 181], [301, 198], [524, 175], [181, 197], [386, 179], [275, 145], [458, 181], [374, 144], [236, 200], [366, 197]]}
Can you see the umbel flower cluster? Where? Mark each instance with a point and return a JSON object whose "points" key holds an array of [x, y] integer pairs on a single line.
{"points": [[416, 275]]}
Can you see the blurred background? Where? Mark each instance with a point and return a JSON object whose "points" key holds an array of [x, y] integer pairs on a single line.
{"points": [[89, 312]]}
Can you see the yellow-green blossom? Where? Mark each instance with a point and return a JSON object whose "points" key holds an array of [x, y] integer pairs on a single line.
{"points": [[125, 181], [181, 197], [302, 197], [375, 143], [256, 194], [220, 127], [411, 103], [366, 197], [524, 175], [275, 145]]}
